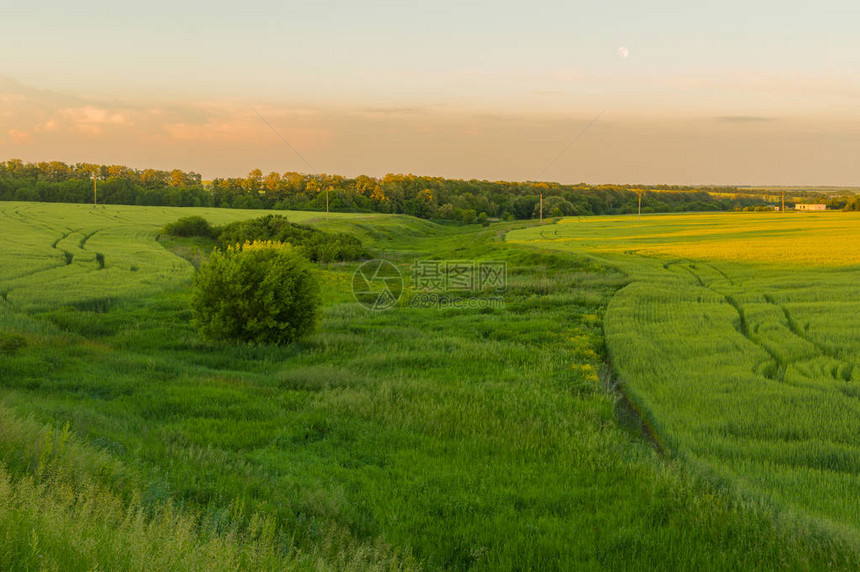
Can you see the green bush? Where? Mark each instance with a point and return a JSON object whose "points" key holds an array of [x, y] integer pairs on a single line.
{"points": [[262, 292], [317, 245], [10, 342], [190, 226]]}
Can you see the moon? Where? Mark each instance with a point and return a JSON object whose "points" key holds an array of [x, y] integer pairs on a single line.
{"points": [[623, 52]]}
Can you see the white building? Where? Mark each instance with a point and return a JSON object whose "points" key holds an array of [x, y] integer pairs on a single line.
{"points": [[810, 207]]}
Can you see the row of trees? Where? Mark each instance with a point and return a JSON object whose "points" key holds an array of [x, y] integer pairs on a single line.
{"points": [[55, 181], [834, 198], [424, 197], [852, 204], [57, 172]]}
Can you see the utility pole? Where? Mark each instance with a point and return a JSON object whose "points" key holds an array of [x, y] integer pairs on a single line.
{"points": [[95, 191], [640, 204], [541, 208], [783, 202]]}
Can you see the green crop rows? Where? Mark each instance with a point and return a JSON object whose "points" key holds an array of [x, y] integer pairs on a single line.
{"points": [[747, 369]]}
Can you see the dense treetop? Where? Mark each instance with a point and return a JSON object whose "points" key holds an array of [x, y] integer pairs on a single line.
{"points": [[420, 196]]}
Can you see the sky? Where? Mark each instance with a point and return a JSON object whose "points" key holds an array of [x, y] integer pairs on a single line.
{"points": [[728, 92]]}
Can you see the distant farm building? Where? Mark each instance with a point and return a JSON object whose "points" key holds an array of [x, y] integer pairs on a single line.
{"points": [[811, 207]]}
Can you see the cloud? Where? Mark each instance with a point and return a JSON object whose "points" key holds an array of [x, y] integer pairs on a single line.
{"points": [[208, 131], [92, 114], [19, 136], [11, 98], [91, 119], [155, 127]]}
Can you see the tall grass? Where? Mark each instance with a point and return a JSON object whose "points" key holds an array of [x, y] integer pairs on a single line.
{"points": [[58, 516]]}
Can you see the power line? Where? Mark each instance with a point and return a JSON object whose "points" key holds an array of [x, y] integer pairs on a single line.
{"points": [[569, 145], [285, 141]]}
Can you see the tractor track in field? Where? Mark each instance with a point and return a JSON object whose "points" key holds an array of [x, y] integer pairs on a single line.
{"points": [[776, 369], [24, 218], [690, 265], [100, 257], [779, 365], [845, 373], [775, 373], [683, 264], [720, 272], [70, 256], [87, 237], [795, 329], [32, 272]]}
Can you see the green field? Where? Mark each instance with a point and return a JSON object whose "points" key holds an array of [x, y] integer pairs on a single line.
{"points": [[739, 340], [423, 438], [74, 253]]}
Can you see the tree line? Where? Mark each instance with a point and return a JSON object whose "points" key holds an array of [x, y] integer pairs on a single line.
{"points": [[425, 197], [853, 204]]}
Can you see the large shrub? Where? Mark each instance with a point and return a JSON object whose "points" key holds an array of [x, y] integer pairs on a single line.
{"points": [[317, 245], [190, 226], [263, 292]]}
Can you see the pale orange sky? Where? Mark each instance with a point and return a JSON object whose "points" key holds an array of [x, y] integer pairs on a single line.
{"points": [[719, 93]]}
